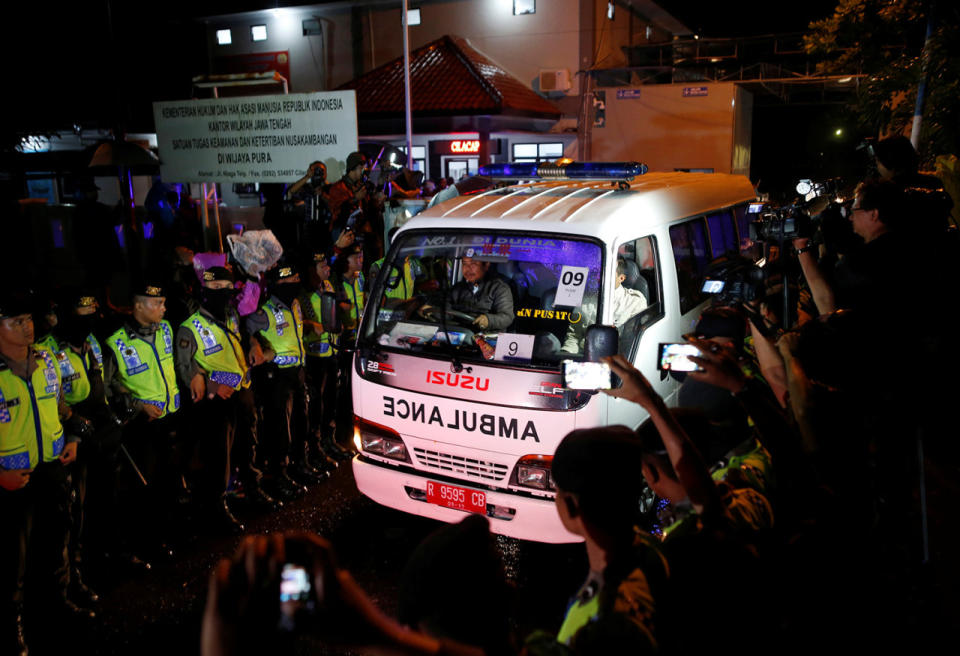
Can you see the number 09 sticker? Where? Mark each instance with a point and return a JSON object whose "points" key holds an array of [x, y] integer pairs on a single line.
{"points": [[573, 282], [511, 346]]}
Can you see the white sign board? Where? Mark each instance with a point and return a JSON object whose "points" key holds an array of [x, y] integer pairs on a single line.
{"points": [[513, 346], [573, 282], [255, 138]]}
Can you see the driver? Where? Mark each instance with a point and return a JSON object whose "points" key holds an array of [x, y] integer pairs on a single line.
{"points": [[485, 295]]}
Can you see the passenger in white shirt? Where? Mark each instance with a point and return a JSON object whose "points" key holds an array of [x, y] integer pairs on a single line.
{"points": [[627, 303]]}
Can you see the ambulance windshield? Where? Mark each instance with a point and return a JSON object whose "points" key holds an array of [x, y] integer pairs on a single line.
{"points": [[514, 298]]}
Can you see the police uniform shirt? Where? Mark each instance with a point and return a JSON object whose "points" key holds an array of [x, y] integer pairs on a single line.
{"points": [[113, 386], [186, 348]]}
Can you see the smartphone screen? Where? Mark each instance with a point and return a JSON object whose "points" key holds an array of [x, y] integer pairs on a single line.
{"points": [[712, 286], [676, 357], [586, 375]]}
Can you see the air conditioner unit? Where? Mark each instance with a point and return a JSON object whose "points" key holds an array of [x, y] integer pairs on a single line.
{"points": [[555, 79]]}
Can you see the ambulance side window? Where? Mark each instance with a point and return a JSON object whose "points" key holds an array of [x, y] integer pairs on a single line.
{"points": [[723, 234], [642, 276], [748, 248], [689, 241]]}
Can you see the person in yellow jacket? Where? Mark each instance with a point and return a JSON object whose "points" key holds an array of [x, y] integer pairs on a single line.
{"points": [[280, 387], [212, 364], [321, 330], [141, 384], [34, 492]]}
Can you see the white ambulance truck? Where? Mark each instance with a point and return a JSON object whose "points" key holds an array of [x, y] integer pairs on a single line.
{"points": [[452, 417]]}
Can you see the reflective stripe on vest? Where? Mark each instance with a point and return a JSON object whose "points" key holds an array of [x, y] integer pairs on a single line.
{"points": [[284, 333], [147, 370], [30, 429], [219, 352]]}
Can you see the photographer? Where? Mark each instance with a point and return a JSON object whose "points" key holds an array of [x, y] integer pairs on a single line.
{"points": [[311, 209], [349, 192], [276, 588]]}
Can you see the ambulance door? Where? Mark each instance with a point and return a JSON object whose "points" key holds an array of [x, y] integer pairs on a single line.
{"points": [[640, 331]]}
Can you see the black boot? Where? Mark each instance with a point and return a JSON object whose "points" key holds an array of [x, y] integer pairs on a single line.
{"points": [[79, 592], [334, 450], [13, 641]]}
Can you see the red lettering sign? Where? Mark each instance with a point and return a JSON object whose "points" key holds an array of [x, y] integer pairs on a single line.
{"points": [[469, 146], [458, 380]]}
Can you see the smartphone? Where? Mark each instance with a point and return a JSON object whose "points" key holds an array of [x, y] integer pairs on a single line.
{"points": [[295, 594], [676, 357], [586, 375], [712, 286]]}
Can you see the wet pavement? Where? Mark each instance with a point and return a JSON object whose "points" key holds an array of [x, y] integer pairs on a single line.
{"points": [[160, 611]]}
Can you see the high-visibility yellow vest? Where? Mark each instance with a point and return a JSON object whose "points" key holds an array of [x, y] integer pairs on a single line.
{"points": [[322, 345], [219, 352], [73, 370], [354, 293], [30, 428], [284, 333], [147, 370]]}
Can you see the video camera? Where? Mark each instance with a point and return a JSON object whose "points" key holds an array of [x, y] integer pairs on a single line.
{"points": [[734, 281], [787, 222]]}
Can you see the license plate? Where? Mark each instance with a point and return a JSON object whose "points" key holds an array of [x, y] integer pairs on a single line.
{"points": [[460, 498]]}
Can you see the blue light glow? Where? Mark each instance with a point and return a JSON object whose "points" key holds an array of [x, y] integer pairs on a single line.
{"points": [[572, 171]]}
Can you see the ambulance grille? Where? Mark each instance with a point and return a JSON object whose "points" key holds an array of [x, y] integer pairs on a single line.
{"points": [[470, 467]]}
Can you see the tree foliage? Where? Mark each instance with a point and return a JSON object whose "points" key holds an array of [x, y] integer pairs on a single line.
{"points": [[883, 40]]}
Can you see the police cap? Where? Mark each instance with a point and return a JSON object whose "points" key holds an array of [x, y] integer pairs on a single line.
{"points": [[15, 303], [217, 273]]}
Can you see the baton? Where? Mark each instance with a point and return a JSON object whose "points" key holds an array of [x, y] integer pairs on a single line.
{"points": [[134, 465]]}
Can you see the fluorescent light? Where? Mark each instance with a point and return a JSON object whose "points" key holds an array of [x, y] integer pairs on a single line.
{"points": [[610, 10], [258, 32], [413, 17], [224, 38]]}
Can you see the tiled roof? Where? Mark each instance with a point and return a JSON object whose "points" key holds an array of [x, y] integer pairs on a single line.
{"points": [[448, 77]]}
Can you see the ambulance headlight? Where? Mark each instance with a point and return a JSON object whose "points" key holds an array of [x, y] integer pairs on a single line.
{"points": [[534, 472], [379, 440]]}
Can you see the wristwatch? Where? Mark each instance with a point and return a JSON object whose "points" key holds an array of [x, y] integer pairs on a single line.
{"points": [[805, 249]]}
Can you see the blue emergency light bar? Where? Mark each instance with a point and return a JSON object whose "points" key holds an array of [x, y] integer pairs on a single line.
{"points": [[571, 171]]}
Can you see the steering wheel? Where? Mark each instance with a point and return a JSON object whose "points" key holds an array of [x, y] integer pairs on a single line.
{"points": [[433, 314], [463, 317]]}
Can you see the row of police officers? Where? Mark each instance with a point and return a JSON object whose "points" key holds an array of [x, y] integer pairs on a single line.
{"points": [[150, 422]]}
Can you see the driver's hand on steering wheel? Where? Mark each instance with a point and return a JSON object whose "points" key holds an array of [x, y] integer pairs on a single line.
{"points": [[481, 321]]}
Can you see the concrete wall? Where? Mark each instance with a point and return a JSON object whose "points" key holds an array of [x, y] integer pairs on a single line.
{"points": [[666, 130], [371, 32]]}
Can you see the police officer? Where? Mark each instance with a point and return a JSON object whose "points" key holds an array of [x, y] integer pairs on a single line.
{"points": [[34, 493], [352, 299], [321, 328], [211, 363], [80, 358], [141, 382], [279, 385]]}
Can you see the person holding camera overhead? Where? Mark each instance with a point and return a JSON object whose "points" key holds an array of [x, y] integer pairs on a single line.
{"points": [[348, 192]]}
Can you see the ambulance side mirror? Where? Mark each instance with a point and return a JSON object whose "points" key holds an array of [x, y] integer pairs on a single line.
{"points": [[601, 341]]}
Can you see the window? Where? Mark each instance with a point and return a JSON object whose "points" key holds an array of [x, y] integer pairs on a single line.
{"points": [[521, 7], [748, 248], [312, 27], [723, 234], [419, 159], [413, 17], [224, 37], [642, 275], [258, 32], [533, 152], [689, 241]]}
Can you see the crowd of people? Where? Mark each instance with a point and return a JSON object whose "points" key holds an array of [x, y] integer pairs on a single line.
{"points": [[799, 498]]}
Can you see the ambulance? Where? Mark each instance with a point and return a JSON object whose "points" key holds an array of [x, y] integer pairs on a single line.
{"points": [[453, 416]]}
